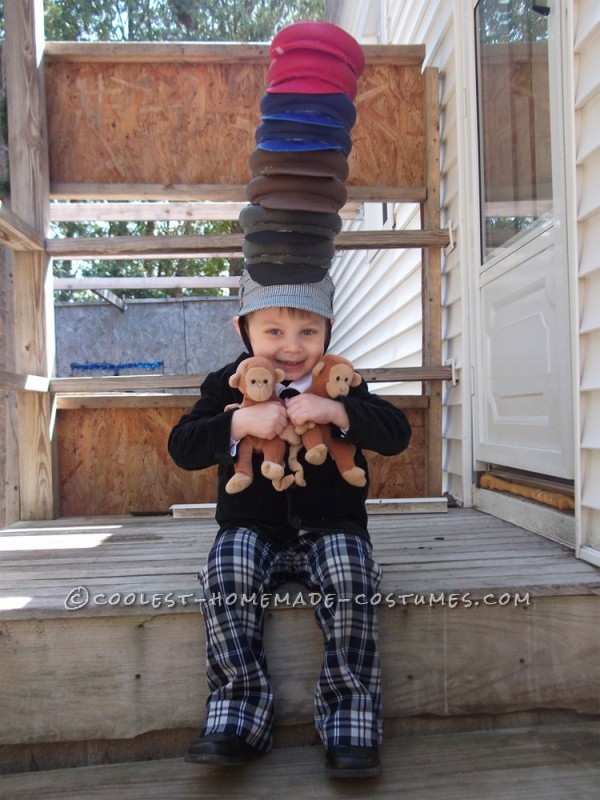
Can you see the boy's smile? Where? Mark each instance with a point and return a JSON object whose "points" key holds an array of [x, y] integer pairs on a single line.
{"points": [[293, 340]]}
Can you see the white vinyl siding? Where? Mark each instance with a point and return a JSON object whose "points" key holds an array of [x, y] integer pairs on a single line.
{"points": [[431, 23], [587, 122], [378, 304]]}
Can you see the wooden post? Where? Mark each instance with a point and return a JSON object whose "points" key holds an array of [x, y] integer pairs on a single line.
{"points": [[29, 191], [431, 288]]}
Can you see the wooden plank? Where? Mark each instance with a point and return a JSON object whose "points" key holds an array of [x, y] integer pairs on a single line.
{"points": [[208, 245], [207, 52], [141, 212], [9, 461], [150, 400], [528, 763], [121, 383], [406, 505], [16, 234], [218, 193], [431, 278], [128, 400], [112, 298], [34, 328], [120, 284], [13, 382]]}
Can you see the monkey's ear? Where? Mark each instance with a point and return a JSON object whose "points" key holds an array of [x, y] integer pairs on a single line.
{"points": [[356, 380], [318, 368], [279, 375], [234, 381]]}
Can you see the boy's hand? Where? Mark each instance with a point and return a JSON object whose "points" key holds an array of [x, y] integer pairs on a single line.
{"points": [[308, 407], [265, 420]]}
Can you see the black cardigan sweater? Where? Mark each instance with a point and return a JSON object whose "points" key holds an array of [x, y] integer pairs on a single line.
{"points": [[326, 504]]}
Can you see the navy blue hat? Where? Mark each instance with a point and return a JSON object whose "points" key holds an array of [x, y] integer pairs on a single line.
{"points": [[334, 110], [286, 136]]}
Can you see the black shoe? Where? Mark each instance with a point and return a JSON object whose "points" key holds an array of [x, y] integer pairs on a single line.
{"points": [[352, 762], [221, 748]]}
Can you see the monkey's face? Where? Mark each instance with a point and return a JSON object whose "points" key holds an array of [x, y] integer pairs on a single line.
{"points": [[339, 380], [258, 384]]}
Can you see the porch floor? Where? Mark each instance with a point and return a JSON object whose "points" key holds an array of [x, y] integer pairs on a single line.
{"points": [[547, 763], [150, 563]]}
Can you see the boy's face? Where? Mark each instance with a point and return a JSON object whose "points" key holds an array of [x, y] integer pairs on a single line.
{"points": [[293, 340]]}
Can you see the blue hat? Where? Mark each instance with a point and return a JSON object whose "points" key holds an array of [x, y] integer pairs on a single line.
{"points": [[297, 136], [333, 110]]}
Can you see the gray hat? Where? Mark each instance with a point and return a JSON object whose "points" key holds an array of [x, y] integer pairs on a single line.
{"points": [[314, 297]]}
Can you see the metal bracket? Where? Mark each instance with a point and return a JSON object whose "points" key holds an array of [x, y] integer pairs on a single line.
{"points": [[452, 245], [451, 362]]}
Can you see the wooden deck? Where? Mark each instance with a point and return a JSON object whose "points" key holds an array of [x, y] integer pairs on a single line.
{"points": [[143, 564], [553, 763]]}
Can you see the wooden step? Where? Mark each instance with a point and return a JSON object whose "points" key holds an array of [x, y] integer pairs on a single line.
{"points": [[545, 763], [482, 618]]}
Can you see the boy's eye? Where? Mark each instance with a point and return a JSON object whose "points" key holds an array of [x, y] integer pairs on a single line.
{"points": [[309, 331]]}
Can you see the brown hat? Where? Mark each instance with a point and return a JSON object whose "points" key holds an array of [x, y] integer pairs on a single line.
{"points": [[255, 219], [285, 249], [318, 163], [297, 192]]}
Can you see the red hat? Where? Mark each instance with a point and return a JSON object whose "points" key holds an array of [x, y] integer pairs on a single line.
{"points": [[320, 36], [305, 86], [299, 65]]}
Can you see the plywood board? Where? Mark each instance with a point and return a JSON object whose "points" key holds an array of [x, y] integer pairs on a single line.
{"points": [[194, 123], [115, 461]]}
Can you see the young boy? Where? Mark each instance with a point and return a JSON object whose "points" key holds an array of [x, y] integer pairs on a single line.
{"points": [[316, 534]]}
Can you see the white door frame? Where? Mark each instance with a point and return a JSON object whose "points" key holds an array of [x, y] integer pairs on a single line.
{"points": [[469, 233]]}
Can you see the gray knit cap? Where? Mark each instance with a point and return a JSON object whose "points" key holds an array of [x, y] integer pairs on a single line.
{"points": [[314, 297]]}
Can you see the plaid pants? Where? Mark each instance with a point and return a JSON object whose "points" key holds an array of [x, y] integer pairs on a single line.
{"points": [[347, 706]]}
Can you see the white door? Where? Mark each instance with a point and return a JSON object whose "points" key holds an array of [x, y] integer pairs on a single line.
{"points": [[523, 408]]}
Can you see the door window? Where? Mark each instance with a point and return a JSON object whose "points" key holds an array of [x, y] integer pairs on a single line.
{"points": [[513, 95]]}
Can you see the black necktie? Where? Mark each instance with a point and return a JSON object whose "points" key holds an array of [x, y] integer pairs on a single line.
{"points": [[288, 393]]}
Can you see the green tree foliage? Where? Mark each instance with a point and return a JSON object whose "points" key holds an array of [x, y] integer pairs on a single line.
{"points": [[174, 20], [140, 268], [162, 20]]}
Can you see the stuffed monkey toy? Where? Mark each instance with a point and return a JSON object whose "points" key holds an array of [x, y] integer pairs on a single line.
{"points": [[256, 378], [332, 377]]}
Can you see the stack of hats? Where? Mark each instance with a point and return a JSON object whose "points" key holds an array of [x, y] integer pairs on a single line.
{"points": [[301, 160]]}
